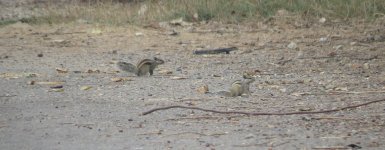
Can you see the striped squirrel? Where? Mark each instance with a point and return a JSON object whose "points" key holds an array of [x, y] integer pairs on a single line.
{"points": [[240, 87], [142, 68]]}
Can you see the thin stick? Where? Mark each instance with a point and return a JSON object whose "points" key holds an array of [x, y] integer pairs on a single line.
{"points": [[261, 113], [7, 95], [362, 92], [339, 118], [331, 148]]}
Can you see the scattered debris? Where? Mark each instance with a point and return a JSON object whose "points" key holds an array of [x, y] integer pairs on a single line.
{"points": [[49, 83], [139, 34], [60, 43], [56, 87], [31, 75], [338, 47], [354, 146], [341, 89], [61, 70], [332, 54], [178, 78], [172, 33], [215, 51], [96, 31], [165, 72], [119, 79], [86, 87], [15, 75], [116, 79], [322, 20], [323, 39], [203, 89], [57, 90], [305, 109], [179, 22], [292, 45], [93, 71]]}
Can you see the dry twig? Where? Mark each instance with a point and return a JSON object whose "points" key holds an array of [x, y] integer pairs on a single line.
{"points": [[339, 118], [215, 51], [7, 95], [262, 113], [354, 92], [331, 148]]}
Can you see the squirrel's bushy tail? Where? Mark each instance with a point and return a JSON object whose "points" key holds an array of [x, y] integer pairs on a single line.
{"points": [[128, 67]]}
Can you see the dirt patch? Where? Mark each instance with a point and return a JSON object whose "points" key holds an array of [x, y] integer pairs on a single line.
{"points": [[302, 68]]}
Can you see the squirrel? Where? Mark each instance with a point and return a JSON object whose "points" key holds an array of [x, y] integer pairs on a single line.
{"points": [[240, 87], [142, 68]]}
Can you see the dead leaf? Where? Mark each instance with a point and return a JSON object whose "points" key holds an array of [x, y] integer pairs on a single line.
{"points": [[96, 31], [86, 87], [292, 45], [178, 78], [60, 43], [31, 82], [113, 62], [203, 89], [31, 75], [300, 93], [305, 109], [57, 90], [307, 81], [119, 79], [61, 70], [165, 72], [49, 83], [93, 71], [139, 34], [341, 89], [116, 79]]}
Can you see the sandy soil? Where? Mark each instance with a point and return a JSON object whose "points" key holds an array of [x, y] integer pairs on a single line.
{"points": [[331, 65]]}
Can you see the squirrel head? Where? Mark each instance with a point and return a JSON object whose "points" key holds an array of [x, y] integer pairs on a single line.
{"points": [[158, 61], [249, 75]]}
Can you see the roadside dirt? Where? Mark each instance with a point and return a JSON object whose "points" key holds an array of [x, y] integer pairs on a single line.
{"points": [[331, 65]]}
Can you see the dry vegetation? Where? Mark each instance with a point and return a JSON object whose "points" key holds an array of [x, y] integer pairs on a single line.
{"points": [[139, 12]]}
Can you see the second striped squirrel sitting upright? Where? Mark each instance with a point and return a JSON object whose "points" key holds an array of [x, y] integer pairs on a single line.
{"points": [[143, 67], [240, 87]]}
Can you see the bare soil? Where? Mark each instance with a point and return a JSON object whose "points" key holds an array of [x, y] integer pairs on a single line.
{"points": [[331, 65]]}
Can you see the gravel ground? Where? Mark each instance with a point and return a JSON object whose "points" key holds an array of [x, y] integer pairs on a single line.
{"points": [[321, 67]]}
